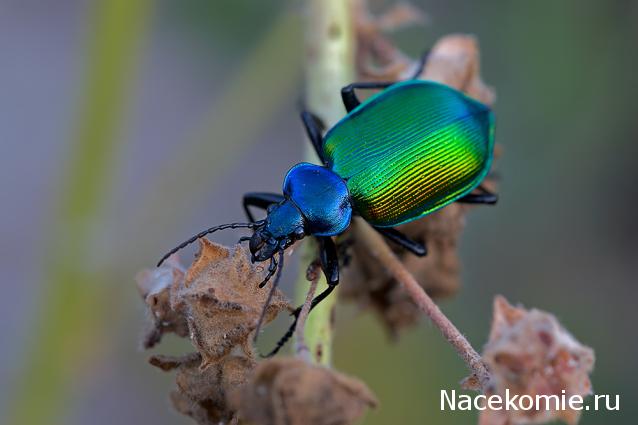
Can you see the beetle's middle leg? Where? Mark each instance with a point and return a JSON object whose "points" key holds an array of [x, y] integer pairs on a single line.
{"points": [[260, 200], [416, 248], [330, 266], [485, 197]]}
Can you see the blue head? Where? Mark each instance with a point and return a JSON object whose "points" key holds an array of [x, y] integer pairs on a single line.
{"points": [[316, 202]]}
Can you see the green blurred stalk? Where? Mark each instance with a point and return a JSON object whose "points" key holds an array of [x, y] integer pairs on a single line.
{"points": [[67, 330], [329, 65]]}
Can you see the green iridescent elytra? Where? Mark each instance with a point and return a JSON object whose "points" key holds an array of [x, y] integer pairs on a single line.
{"points": [[411, 150]]}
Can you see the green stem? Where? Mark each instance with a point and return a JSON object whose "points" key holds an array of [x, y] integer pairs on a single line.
{"points": [[68, 331], [329, 65]]}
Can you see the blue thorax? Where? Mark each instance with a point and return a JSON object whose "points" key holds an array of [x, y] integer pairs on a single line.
{"points": [[322, 198]]}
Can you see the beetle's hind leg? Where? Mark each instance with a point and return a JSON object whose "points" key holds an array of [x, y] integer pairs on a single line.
{"points": [[314, 129], [416, 248], [484, 197], [260, 200], [330, 266]]}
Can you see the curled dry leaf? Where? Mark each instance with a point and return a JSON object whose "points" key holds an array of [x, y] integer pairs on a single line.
{"points": [[204, 395], [376, 57], [155, 287], [453, 60], [529, 352], [290, 391], [221, 300], [217, 302]]}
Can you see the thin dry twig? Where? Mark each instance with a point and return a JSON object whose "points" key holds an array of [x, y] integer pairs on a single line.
{"points": [[382, 252]]}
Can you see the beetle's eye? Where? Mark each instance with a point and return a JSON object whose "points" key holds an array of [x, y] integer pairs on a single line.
{"points": [[299, 233]]}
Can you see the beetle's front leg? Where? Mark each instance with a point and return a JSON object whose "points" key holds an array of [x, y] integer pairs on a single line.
{"points": [[330, 267], [314, 129], [259, 200], [349, 97]]}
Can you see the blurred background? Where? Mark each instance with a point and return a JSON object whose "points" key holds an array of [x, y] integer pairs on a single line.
{"points": [[127, 125]]}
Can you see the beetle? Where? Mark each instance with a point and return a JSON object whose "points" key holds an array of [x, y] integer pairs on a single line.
{"points": [[405, 152]]}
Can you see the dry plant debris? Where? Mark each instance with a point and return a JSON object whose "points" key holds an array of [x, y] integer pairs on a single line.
{"points": [[154, 286], [205, 395], [291, 391], [216, 302], [530, 352], [453, 60], [221, 300]]}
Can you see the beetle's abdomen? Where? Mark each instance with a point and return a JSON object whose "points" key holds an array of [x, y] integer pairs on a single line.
{"points": [[410, 150], [321, 196]]}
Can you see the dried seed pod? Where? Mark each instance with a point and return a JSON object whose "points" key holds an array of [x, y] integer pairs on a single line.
{"points": [[221, 300], [204, 395], [529, 352], [290, 391], [155, 287]]}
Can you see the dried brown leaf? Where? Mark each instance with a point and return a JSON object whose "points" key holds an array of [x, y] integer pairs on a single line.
{"points": [[204, 394], [290, 391], [221, 300], [530, 352], [155, 287], [400, 15]]}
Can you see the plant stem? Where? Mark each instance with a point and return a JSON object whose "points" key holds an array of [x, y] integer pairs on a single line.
{"points": [[377, 247], [329, 65]]}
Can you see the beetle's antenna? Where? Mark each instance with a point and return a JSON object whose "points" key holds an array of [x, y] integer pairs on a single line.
{"points": [[279, 266], [208, 231]]}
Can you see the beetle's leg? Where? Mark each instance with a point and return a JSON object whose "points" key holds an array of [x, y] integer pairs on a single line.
{"points": [[418, 249], [485, 197], [314, 128], [279, 266], [343, 251], [259, 200], [330, 267], [349, 97]]}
